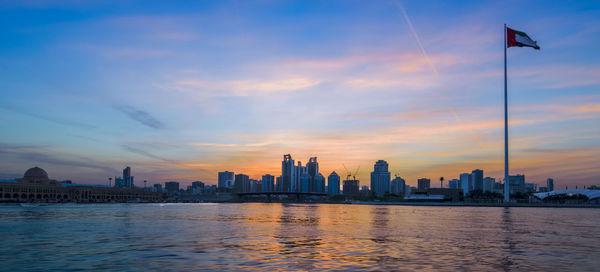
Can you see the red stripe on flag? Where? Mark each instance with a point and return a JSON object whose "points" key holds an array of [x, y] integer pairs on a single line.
{"points": [[511, 39]]}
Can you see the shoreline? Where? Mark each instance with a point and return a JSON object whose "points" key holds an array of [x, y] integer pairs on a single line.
{"points": [[422, 204], [464, 204]]}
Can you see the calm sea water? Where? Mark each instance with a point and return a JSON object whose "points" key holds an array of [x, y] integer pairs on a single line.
{"points": [[263, 237]]}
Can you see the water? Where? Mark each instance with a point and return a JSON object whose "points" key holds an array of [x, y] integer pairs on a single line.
{"points": [[263, 237]]}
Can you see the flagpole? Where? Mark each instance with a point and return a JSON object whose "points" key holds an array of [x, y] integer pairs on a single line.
{"points": [[506, 180]]}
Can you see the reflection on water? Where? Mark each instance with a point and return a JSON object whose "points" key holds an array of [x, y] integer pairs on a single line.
{"points": [[260, 237]]}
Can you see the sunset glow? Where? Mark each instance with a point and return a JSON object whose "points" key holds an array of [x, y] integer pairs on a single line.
{"points": [[181, 92]]}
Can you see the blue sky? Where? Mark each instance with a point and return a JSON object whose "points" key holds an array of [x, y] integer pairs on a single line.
{"points": [[180, 91]]}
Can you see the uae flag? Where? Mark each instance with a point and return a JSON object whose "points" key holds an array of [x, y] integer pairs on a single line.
{"points": [[520, 39]]}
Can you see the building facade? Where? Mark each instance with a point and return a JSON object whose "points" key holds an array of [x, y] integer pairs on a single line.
{"points": [[242, 184], [477, 179], [550, 184], [423, 184], [488, 184], [454, 184], [398, 186], [333, 184], [351, 187], [225, 180], [380, 178], [465, 183], [35, 186], [268, 183]]}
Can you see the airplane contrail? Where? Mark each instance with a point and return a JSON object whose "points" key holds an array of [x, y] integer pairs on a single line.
{"points": [[416, 36], [430, 62]]}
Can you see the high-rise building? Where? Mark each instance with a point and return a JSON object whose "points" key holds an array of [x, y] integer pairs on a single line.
{"points": [[465, 183], [305, 183], [126, 181], [454, 184], [423, 184], [488, 184], [241, 184], [312, 168], [119, 182], [498, 188], [319, 183], [226, 180], [197, 187], [477, 179], [128, 178], [550, 184], [380, 178], [397, 186], [288, 174], [255, 185], [172, 187], [157, 188], [517, 184], [351, 187], [279, 184], [301, 171], [268, 183], [333, 184]]}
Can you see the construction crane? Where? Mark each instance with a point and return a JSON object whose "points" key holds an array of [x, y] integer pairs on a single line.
{"points": [[354, 176], [347, 172]]}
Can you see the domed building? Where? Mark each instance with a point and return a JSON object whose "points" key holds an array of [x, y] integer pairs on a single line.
{"points": [[36, 186], [37, 175]]}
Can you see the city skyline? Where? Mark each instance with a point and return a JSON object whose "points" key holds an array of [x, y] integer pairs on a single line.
{"points": [[184, 92]]}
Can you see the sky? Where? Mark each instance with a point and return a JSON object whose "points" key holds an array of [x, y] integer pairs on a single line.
{"points": [[183, 90]]}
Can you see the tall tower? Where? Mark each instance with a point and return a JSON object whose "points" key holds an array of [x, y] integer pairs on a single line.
{"points": [[477, 179], [313, 170], [288, 173], [333, 184], [127, 177], [380, 178], [550, 184]]}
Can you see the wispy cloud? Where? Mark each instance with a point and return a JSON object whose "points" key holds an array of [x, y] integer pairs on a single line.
{"points": [[116, 52], [248, 86], [146, 154], [45, 117], [39, 154], [140, 116]]}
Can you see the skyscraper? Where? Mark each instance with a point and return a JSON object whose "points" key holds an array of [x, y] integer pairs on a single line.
{"points": [[268, 183], [312, 168], [305, 183], [517, 184], [397, 186], [333, 184], [465, 183], [172, 187], [300, 172], [241, 184], [127, 178], [226, 180], [380, 178], [477, 179], [319, 183], [279, 184], [550, 184], [488, 184], [288, 173], [423, 184]]}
